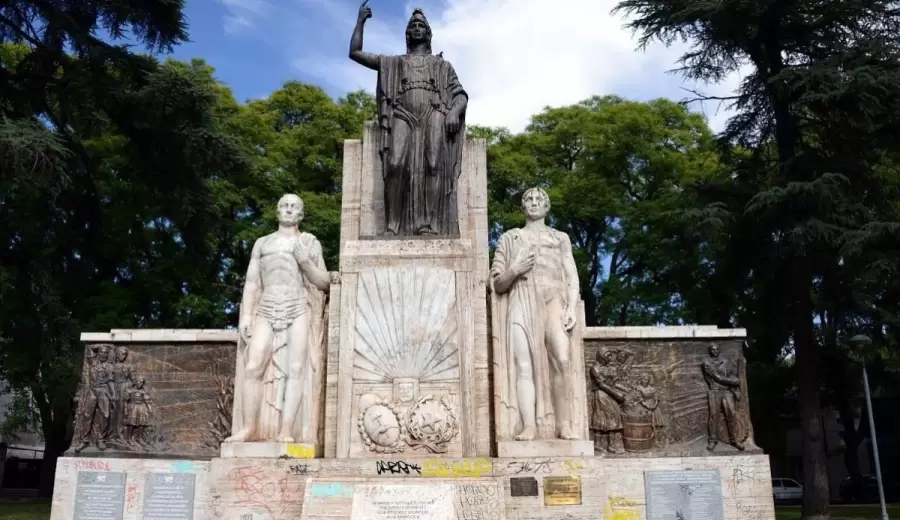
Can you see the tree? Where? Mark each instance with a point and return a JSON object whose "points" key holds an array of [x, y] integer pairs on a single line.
{"points": [[105, 158], [818, 69], [613, 169]]}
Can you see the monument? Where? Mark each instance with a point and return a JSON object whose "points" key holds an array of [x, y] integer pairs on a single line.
{"points": [[418, 380], [421, 124], [535, 285], [278, 379]]}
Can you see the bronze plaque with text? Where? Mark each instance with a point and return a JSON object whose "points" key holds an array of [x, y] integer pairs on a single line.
{"points": [[562, 491]]}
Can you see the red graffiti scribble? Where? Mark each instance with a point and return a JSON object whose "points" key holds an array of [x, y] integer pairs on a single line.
{"points": [[276, 496], [91, 465], [131, 498]]}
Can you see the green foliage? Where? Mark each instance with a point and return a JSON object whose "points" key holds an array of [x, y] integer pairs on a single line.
{"points": [[818, 113], [614, 170]]}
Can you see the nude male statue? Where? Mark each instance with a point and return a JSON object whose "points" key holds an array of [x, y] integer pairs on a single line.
{"points": [[535, 273], [283, 295]]}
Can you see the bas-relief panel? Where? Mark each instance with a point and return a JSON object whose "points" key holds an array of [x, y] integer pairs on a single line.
{"points": [[161, 399], [406, 362], [665, 380]]}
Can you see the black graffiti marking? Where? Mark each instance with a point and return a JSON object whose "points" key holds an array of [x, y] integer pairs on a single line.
{"points": [[538, 466], [395, 467]]}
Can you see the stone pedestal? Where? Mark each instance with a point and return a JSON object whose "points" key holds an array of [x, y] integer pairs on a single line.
{"points": [[735, 487], [270, 450], [408, 340], [547, 448]]}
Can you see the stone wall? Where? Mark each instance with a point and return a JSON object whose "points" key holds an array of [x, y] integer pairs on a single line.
{"points": [[273, 489]]}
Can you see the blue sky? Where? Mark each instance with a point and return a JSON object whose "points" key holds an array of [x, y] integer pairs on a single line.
{"points": [[513, 57]]}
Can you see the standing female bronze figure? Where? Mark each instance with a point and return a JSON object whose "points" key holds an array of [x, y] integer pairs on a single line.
{"points": [[421, 117]]}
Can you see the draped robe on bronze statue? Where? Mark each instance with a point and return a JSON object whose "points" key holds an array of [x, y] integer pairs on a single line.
{"points": [[421, 160]]}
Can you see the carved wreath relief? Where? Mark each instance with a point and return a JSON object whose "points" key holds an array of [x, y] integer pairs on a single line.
{"points": [[386, 427]]}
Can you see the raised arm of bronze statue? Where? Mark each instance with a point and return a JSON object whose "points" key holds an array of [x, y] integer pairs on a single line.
{"points": [[366, 59]]}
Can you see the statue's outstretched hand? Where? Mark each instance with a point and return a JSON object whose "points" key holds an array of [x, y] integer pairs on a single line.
{"points": [[365, 12]]}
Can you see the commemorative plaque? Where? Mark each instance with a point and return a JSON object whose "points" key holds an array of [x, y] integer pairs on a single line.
{"points": [[562, 491], [523, 487], [169, 496], [404, 502], [99, 495], [686, 495]]}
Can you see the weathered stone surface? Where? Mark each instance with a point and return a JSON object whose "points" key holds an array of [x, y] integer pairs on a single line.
{"points": [[145, 488], [183, 409], [666, 382], [408, 333], [276, 489]]}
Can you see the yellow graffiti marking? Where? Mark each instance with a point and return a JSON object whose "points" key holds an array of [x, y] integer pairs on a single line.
{"points": [[621, 514], [301, 451], [572, 466], [456, 468], [621, 508]]}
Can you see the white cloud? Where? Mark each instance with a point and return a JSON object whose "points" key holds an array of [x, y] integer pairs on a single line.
{"points": [[516, 57], [242, 14]]}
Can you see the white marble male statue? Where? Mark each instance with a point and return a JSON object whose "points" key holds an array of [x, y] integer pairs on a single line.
{"points": [[536, 281], [282, 325]]}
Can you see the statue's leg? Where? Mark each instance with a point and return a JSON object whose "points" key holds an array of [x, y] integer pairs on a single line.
{"points": [[259, 352], [711, 423], [434, 175], [524, 382], [298, 348], [561, 367], [88, 425], [395, 176], [103, 424]]}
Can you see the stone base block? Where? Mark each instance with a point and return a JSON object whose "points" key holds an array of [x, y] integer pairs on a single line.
{"points": [[269, 450], [549, 448], [129, 489], [727, 487]]}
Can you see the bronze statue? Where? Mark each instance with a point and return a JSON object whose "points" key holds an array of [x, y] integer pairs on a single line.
{"points": [[727, 421], [137, 414], [421, 118], [606, 406], [123, 377], [96, 423]]}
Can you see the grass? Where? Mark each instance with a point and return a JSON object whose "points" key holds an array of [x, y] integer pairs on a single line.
{"points": [[25, 510], [40, 510], [848, 512]]}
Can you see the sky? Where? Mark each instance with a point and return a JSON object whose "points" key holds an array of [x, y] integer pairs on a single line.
{"points": [[514, 57]]}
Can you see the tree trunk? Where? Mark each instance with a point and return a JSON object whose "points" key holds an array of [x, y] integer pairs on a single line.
{"points": [[53, 449], [815, 466], [852, 440]]}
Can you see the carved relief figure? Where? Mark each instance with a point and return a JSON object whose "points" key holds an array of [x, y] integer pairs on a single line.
{"points": [[137, 413], [421, 118], [123, 377], [727, 422], [282, 333], [649, 400], [606, 409], [96, 423], [535, 277]]}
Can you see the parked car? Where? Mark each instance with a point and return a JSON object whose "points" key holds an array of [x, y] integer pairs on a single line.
{"points": [[787, 490], [864, 490]]}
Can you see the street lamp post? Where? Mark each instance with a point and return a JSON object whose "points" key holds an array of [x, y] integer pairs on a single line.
{"points": [[873, 435], [884, 514]]}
